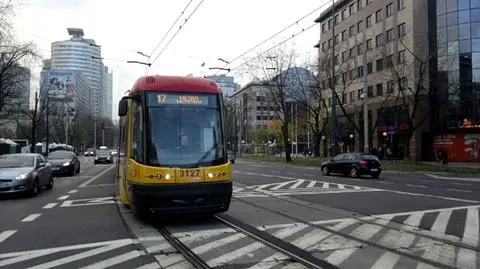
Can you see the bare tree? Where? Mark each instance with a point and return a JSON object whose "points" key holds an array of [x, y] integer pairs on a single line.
{"points": [[36, 118]]}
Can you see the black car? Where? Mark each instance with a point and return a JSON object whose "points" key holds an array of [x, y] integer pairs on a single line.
{"points": [[353, 164], [103, 156], [64, 162]]}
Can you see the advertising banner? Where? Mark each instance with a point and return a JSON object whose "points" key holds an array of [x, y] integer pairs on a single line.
{"points": [[61, 85], [460, 147]]}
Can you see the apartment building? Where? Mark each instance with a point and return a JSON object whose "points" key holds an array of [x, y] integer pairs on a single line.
{"points": [[375, 47]]}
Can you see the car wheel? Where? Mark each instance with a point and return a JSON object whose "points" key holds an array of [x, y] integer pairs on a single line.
{"points": [[36, 188], [50, 183], [72, 171], [78, 169], [325, 170], [354, 172], [232, 161], [375, 175]]}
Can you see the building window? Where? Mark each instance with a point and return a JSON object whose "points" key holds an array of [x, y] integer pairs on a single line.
{"points": [[337, 19], [403, 83], [360, 71], [324, 46], [359, 4], [390, 35], [369, 2], [344, 35], [401, 30], [337, 38], [359, 26], [389, 61], [379, 89], [352, 74], [370, 91], [335, 59], [352, 96], [390, 86], [359, 93], [344, 98], [330, 43], [360, 49], [344, 56], [351, 9], [369, 21], [402, 57], [352, 52], [369, 68], [379, 40], [324, 27], [329, 101], [344, 14], [378, 16], [379, 65], [369, 44], [352, 30], [401, 4], [329, 23], [389, 9]]}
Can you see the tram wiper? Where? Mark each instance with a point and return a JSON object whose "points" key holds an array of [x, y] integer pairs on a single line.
{"points": [[214, 146]]}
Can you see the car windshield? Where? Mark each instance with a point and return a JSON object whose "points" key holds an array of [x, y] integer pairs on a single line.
{"points": [[185, 134], [102, 153], [60, 155], [14, 160]]}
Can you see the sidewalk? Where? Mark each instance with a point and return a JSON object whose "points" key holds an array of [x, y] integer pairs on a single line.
{"points": [[454, 164]]}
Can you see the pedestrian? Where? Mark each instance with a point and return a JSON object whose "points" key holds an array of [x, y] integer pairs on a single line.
{"points": [[389, 155], [444, 157]]}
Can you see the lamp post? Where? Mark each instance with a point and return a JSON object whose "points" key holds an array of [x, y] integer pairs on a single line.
{"points": [[351, 142], [324, 147], [385, 144], [365, 122]]}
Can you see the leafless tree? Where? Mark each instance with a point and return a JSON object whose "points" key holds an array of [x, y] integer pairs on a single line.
{"points": [[36, 117]]}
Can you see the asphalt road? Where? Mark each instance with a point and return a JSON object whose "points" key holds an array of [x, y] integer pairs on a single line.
{"points": [[402, 220]]}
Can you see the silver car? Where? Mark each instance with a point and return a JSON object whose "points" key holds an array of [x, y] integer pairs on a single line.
{"points": [[24, 172]]}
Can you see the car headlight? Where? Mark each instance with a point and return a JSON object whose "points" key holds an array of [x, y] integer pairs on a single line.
{"points": [[22, 177], [66, 164], [96, 158]]}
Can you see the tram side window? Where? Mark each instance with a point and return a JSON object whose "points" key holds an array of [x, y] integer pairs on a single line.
{"points": [[137, 146]]}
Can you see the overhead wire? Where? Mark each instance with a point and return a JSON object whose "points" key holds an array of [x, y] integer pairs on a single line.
{"points": [[176, 33], [278, 33], [171, 27]]}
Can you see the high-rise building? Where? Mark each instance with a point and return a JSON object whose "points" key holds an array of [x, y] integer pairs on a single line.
{"points": [[83, 55], [369, 51], [107, 92], [226, 83]]}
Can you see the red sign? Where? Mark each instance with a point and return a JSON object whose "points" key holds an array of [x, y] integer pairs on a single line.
{"points": [[460, 147]]}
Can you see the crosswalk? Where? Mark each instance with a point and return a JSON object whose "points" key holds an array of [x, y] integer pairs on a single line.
{"points": [[296, 187], [378, 242], [121, 253]]}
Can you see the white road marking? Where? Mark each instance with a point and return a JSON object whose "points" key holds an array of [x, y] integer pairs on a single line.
{"points": [[427, 180], [309, 175], [379, 189], [64, 197], [223, 259], [458, 190], [386, 261], [80, 256], [325, 185], [466, 258], [385, 182], [341, 186], [152, 265], [96, 177], [311, 184], [471, 233], [280, 185], [472, 179], [298, 183], [49, 205], [417, 186], [6, 234], [461, 184], [73, 191], [89, 202], [100, 185], [31, 218], [114, 260], [440, 224]]}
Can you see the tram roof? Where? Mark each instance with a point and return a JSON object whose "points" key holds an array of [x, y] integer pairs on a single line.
{"points": [[175, 83]]}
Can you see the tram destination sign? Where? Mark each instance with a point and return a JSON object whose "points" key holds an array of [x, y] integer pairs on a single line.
{"points": [[179, 99]]}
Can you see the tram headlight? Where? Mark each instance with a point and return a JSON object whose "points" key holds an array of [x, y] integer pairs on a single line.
{"points": [[210, 175], [167, 176], [216, 174]]}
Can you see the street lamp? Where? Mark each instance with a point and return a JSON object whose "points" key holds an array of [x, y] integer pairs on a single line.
{"points": [[138, 62], [351, 142], [385, 144], [363, 96]]}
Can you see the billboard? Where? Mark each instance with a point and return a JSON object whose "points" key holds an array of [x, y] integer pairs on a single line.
{"points": [[60, 85], [459, 147]]}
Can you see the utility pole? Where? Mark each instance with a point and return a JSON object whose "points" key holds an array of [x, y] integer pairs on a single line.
{"points": [[333, 125], [95, 133], [48, 128], [66, 123], [103, 134]]}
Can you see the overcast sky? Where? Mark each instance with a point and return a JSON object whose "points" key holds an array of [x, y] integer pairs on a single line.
{"points": [[218, 28]]}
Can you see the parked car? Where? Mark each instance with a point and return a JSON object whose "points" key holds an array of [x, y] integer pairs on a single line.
{"points": [[231, 156], [89, 152], [353, 164], [24, 172], [64, 162], [103, 156]]}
